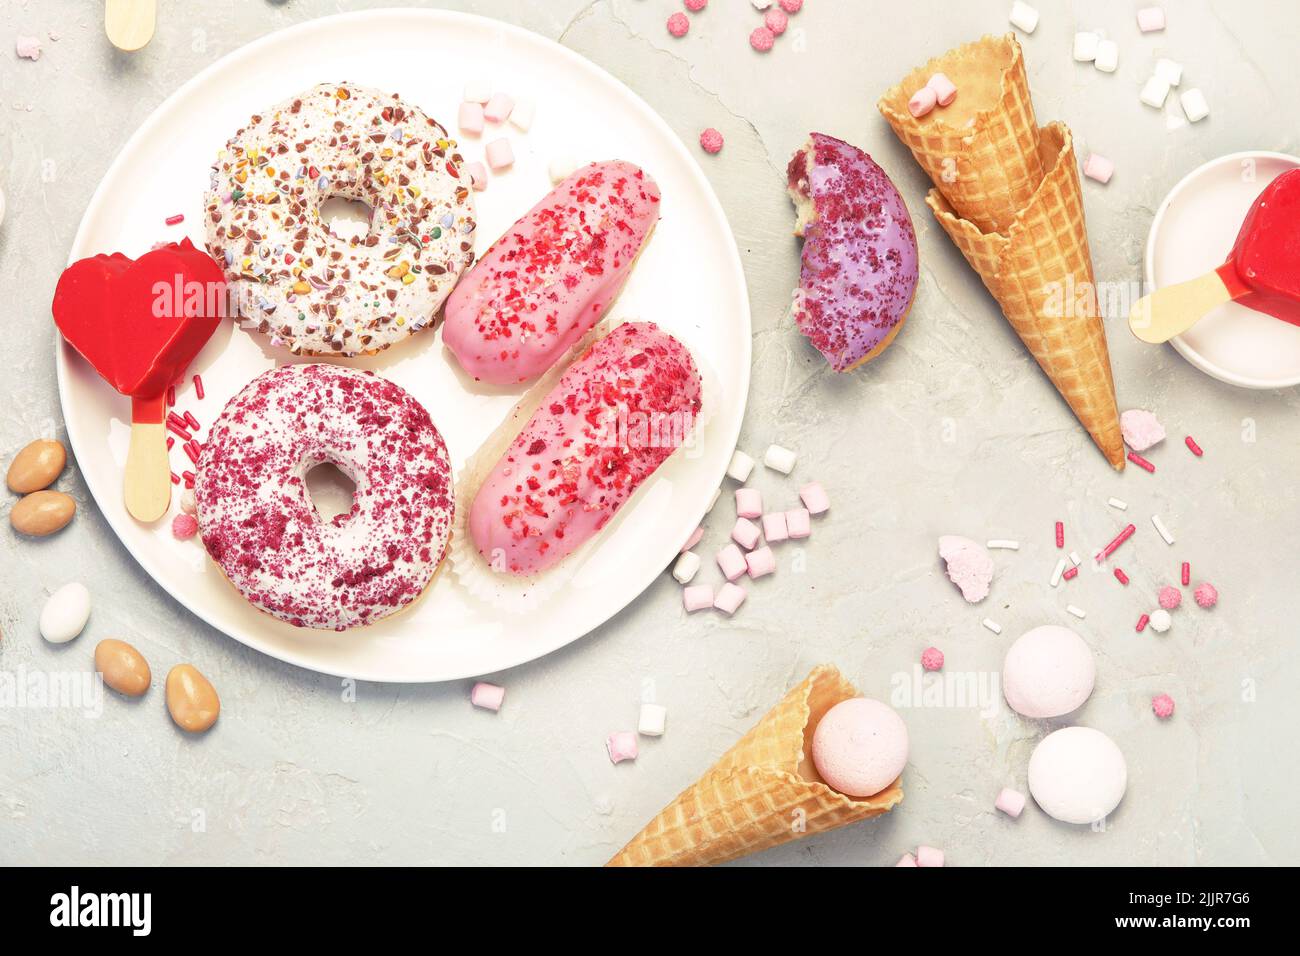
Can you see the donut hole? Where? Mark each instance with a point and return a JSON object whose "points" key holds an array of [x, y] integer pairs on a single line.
{"points": [[345, 217], [331, 491]]}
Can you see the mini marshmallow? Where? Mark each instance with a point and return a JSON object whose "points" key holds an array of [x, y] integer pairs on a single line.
{"points": [[1098, 167], [478, 91], [1171, 71], [621, 746], [561, 168], [731, 562], [814, 498], [798, 523], [1107, 59], [1022, 17], [745, 534], [1151, 19], [922, 102], [774, 527], [693, 540], [906, 860], [1085, 47], [521, 117], [498, 108], [477, 176], [928, 855], [760, 562], [470, 118], [697, 597], [730, 597], [652, 720], [945, 90], [1155, 92], [740, 467], [487, 696], [1194, 105], [1010, 802], [749, 502], [687, 566], [779, 459], [499, 154]]}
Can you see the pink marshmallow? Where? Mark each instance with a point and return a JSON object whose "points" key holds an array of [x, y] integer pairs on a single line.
{"points": [[945, 90], [621, 746], [813, 496], [928, 856], [1140, 429], [697, 597], [487, 696], [470, 118], [693, 540], [922, 101], [498, 108], [1010, 802], [731, 562], [730, 596], [745, 533], [1151, 19], [760, 562], [774, 527], [29, 48], [749, 502], [1098, 167], [500, 154], [798, 523], [477, 176], [906, 860]]}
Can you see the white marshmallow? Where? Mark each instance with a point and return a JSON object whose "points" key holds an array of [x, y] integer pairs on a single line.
{"points": [[779, 459], [1085, 47], [561, 167], [1155, 92], [740, 467], [1023, 17], [652, 720], [1171, 71], [477, 91], [686, 567], [521, 117], [1077, 775], [1107, 59], [1194, 105]]}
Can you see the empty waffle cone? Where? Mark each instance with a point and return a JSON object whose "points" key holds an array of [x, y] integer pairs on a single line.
{"points": [[763, 792], [1040, 271], [981, 151]]}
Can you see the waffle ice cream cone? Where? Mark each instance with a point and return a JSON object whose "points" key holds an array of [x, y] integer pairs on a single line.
{"points": [[763, 792], [982, 150]]}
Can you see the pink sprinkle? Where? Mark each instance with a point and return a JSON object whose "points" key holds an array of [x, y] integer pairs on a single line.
{"points": [[176, 479], [1071, 573], [776, 21], [1162, 705], [192, 450], [198, 386], [184, 526], [711, 141], [171, 395], [1169, 598], [678, 24], [762, 39], [791, 6], [1119, 539], [178, 427], [170, 441], [1142, 622], [1121, 576], [188, 476], [1141, 462], [191, 421], [932, 658], [1187, 574], [1060, 534], [175, 220], [695, 6], [1206, 594], [1196, 449]]}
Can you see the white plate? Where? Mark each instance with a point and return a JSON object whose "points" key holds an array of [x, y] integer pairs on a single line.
{"points": [[689, 280], [1192, 233]]}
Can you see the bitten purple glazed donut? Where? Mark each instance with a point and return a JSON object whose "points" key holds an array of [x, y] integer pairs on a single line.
{"points": [[859, 255], [259, 523]]}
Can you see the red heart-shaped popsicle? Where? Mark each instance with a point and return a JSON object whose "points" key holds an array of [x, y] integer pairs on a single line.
{"points": [[140, 323]]}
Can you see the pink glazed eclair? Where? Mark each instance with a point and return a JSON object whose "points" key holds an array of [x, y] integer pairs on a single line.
{"points": [[614, 417], [549, 279]]}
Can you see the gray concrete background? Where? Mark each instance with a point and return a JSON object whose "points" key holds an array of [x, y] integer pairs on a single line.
{"points": [[954, 430]]}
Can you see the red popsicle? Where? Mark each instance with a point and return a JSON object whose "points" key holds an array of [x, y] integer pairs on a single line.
{"points": [[140, 323], [1262, 271]]}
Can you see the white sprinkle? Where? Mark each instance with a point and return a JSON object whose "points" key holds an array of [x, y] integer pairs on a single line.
{"points": [[740, 467], [1164, 532], [1075, 559], [1004, 544], [779, 459], [992, 625], [1076, 611], [1056, 575], [1117, 503]]}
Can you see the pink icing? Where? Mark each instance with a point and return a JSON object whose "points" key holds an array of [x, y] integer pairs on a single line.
{"points": [[258, 521], [547, 281], [611, 420]]}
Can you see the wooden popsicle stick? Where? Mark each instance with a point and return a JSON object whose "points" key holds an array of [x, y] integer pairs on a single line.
{"points": [[147, 478], [130, 23], [1173, 310]]}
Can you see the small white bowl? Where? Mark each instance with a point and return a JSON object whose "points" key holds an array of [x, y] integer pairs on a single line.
{"points": [[1192, 233]]}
